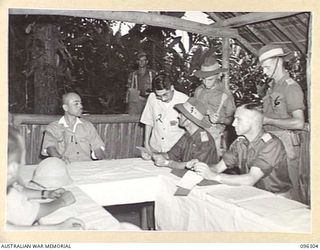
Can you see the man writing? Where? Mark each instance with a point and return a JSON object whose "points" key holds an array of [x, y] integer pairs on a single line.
{"points": [[196, 144], [72, 138], [260, 156]]}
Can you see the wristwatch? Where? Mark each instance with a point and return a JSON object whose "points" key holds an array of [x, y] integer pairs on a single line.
{"points": [[42, 194]]}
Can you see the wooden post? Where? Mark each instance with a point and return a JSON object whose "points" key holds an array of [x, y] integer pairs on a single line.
{"points": [[44, 47], [225, 60]]}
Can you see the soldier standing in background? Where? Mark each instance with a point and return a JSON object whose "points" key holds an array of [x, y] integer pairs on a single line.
{"points": [[139, 85]]}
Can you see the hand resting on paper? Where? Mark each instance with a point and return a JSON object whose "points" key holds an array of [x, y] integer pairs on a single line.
{"points": [[190, 164], [67, 198], [203, 170]]}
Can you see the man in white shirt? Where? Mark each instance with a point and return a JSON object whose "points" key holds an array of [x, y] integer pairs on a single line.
{"points": [[161, 121]]}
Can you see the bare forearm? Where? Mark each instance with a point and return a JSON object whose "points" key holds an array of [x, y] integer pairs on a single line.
{"points": [[50, 207], [147, 135], [236, 180], [53, 152], [289, 123], [177, 165], [31, 193]]}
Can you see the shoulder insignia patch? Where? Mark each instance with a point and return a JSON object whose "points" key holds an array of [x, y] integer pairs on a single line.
{"points": [[290, 81], [266, 137], [204, 136]]}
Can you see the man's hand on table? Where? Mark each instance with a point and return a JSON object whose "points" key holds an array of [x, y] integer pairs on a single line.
{"points": [[54, 194], [67, 198], [203, 170], [190, 164], [160, 160], [146, 156]]}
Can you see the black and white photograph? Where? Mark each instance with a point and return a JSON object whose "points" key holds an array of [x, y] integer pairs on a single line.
{"points": [[159, 121]]}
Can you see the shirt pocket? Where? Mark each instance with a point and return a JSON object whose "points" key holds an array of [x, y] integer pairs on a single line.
{"points": [[279, 104]]}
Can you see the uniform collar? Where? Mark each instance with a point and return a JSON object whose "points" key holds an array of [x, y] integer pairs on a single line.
{"points": [[64, 123], [258, 137], [282, 79], [255, 141], [173, 98]]}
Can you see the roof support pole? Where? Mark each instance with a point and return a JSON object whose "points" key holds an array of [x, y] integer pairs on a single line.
{"points": [[225, 60]]}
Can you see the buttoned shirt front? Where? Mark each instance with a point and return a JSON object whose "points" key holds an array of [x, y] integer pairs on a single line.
{"points": [[282, 98], [75, 143], [265, 152], [199, 146], [163, 119]]}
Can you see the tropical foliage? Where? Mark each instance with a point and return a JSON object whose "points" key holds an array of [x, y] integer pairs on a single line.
{"points": [[51, 55]]}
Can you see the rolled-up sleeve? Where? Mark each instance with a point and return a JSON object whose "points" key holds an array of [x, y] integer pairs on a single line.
{"points": [[51, 137], [295, 99], [147, 114], [94, 138], [269, 157]]}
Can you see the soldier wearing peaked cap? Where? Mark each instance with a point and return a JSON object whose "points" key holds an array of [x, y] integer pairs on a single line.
{"points": [[283, 107]]}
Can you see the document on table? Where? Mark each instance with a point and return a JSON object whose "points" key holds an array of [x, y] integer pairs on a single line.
{"points": [[181, 173], [189, 180]]}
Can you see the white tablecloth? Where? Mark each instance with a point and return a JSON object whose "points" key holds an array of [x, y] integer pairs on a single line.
{"points": [[86, 209], [228, 209], [206, 208]]}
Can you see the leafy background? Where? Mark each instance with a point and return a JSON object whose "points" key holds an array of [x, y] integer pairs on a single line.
{"points": [[51, 55]]}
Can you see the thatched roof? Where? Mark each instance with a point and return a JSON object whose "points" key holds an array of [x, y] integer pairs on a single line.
{"points": [[289, 31]]}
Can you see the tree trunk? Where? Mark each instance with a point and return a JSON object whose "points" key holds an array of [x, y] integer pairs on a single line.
{"points": [[46, 100]]}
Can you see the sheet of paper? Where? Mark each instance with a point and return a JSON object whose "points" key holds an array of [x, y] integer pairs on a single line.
{"points": [[181, 172], [189, 180]]}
